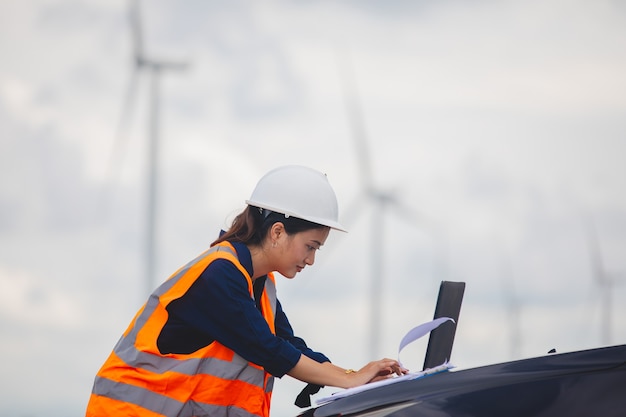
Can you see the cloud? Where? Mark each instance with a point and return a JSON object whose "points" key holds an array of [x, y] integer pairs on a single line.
{"points": [[24, 301], [499, 123]]}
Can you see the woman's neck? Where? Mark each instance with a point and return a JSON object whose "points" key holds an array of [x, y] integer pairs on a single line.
{"points": [[261, 264]]}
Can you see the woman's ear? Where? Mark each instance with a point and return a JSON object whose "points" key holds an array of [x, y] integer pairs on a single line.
{"points": [[277, 230]]}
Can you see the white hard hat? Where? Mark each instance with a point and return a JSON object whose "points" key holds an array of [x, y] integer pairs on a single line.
{"points": [[298, 191]]}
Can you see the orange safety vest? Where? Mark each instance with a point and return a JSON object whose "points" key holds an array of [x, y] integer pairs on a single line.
{"points": [[137, 380]]}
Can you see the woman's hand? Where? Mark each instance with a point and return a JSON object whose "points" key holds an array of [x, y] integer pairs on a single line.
{"points": [[326, 373], [376, 371]]}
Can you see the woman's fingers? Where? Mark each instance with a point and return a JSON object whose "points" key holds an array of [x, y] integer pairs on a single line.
{"points": [[397, 368], [394, 366], [387, 367], [381, 369]]}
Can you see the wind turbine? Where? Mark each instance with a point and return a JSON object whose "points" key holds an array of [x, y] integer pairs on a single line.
{"points": [[512, 304], [381, 199], [143, 63], [603, 280]]}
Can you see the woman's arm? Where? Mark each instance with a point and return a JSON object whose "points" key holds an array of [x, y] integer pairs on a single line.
{"points": [[218, 306], [326, 373], [315, 368]]}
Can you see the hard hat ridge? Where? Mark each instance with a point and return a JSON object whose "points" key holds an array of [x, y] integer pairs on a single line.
{"points": [[298, 191]]}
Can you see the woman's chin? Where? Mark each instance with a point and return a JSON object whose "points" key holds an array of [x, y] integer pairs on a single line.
{"points": [[289, 274]]}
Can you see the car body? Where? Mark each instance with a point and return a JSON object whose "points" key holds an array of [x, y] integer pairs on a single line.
{"points": [[582, 383]]}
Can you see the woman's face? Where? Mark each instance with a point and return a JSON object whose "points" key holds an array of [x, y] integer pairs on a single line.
{"points": [[298, 250]]}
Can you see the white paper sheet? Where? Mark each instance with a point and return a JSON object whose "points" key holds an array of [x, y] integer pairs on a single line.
{"points": [[419, 331], [394, 380], [411, 336]]}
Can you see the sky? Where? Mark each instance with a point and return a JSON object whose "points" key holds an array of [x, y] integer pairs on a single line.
{"points": [[494, 132]]}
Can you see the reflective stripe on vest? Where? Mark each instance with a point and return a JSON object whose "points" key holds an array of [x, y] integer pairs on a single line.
{"points": [[214, 380]]}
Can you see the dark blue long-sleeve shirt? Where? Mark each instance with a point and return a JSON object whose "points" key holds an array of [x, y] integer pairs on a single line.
{"points": [[218, 306]]}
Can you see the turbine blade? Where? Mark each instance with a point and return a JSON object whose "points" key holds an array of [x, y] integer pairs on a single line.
{"points": [[410, 215], [354, 210], [432, 228], [128, 103], [136, 28], [348, 218], [121, 139], [356, 121]]}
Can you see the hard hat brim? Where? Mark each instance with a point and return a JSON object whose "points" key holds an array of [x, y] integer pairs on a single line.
{"points": [[323, 222]]}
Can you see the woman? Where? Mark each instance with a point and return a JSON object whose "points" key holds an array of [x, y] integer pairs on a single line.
{"points": [[211, 339]]}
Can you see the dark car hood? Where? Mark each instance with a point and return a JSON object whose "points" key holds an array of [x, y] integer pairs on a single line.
{"points": [[582, 383]]}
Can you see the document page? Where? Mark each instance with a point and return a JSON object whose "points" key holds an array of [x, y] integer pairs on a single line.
{"points": [[411, 336]]}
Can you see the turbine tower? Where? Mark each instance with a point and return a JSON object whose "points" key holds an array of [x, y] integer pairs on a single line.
{"points": [[154, 68], [512, 304], [603, 280]]}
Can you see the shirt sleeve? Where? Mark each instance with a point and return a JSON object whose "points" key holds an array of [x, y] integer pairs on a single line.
{"points": [[218, 306]]}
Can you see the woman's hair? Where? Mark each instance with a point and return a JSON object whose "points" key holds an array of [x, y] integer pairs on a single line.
{"points": [[253, 223]]}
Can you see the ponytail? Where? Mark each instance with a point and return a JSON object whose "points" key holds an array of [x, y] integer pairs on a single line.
{"points": [[253, 223]]}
